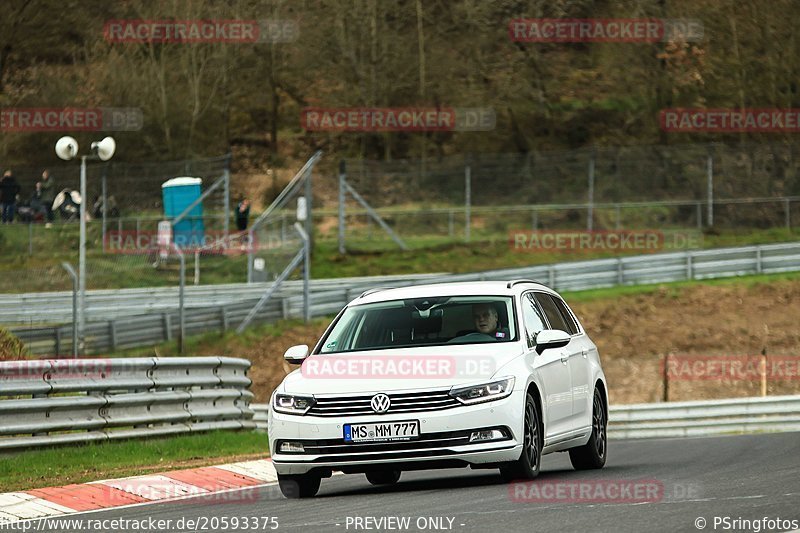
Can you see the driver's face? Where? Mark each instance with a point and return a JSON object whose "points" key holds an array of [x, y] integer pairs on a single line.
{"points": [[485, 319]]}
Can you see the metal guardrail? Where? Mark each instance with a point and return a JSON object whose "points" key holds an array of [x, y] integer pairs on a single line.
{"points": [[50, 402], [329, 296], [707, 417], [681, 419]]}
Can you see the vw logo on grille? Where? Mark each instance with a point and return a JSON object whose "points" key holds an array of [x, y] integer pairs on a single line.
{"points": [[380, 403]]}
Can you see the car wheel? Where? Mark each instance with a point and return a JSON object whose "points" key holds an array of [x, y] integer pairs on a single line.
{"points": [[299, 486], [592, 455], [384, 477], [529, 462]]}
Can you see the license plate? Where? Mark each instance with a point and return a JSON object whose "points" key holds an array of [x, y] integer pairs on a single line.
{"points": [[382, 431]]}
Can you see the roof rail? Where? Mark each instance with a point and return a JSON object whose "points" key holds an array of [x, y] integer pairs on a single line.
{"points": [[518, 281], [373, 290]]}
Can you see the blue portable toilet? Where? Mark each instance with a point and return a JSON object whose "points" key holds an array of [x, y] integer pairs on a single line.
{"points": [[178, 194]]}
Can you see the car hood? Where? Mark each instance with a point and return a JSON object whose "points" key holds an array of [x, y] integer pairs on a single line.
{"points": [[395, 369]]}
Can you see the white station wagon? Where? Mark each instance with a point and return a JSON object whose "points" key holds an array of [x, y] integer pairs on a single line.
{"points": [[482, 374]]}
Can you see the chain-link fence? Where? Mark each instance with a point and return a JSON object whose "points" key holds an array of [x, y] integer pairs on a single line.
{"points": [[486, 195]]}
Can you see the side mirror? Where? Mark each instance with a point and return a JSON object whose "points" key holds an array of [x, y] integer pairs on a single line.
{"points": [[551, 338], [296, 354]]}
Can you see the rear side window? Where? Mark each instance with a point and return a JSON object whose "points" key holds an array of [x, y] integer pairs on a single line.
{"points": [[568, 318], [533, 319], [553, 314]]}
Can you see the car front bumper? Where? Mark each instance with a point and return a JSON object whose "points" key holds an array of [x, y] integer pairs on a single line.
{"points": [[443, 440]]}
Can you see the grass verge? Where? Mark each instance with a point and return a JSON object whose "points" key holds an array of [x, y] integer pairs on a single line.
{"points": [[58, 466]]}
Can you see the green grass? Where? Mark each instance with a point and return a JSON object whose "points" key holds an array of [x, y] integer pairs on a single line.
{"points": [[368, 254], [77, 464]]}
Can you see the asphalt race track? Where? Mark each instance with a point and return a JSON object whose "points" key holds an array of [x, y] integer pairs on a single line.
{"points": [[749, 477]]}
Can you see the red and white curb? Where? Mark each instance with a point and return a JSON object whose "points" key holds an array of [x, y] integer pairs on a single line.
{"points": [[137, 490]]}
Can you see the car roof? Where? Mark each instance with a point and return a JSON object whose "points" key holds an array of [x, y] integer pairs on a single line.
{"points": [[464, 288]]}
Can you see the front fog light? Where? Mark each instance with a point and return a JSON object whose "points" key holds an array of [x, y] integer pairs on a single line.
{"points": [[291, 447], [486, 434]]}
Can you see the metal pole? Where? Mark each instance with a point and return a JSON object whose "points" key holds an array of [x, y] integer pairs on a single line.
{"points": [[197, 267], [82, 261], [590, 210], [309, 223], [182, 326], [250, 255], [227, 202], [467, 200], [710, 176], [306, 270], [342, 177], [74, 276], [105, 204]]}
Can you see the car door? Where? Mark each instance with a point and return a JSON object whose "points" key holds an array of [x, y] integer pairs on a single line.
{"points": [[574, 354], [552, 368], [580, 367]]}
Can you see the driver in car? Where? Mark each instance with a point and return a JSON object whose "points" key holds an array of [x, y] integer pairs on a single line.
{"points": [[486, 324]]}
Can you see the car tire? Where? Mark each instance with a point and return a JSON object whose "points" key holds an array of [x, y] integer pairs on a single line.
{"points": [[592, 455], [384, 477], [299, 486], [530, 461]]}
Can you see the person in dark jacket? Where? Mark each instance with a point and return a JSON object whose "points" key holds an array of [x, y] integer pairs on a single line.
{"points": [[242, 214], [48, 193], [9, 189]]}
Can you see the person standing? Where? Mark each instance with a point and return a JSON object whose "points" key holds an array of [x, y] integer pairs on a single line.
{"points": [[9, 189], [242, 214], [48, 194]]}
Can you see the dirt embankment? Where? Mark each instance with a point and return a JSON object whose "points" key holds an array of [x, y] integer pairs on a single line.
{"points": [[634, 334]]}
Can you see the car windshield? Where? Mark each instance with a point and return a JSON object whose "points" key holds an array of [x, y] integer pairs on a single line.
{"points": [[433, 321]]}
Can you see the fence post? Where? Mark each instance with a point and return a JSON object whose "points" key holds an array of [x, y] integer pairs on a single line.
{"points": [[182, 283], [710, 185], [30, 239], [590, 210], [467, 200], [342, 178], [763, 369], [618, 212], [227, 198], [450, 223], [665, 378], [788, 211], [197, 267], [759, 266], [699, 215], [535, 218], [105, 196], [71, 271]]}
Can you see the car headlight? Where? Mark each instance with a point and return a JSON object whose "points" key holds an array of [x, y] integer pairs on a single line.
{"points": [[292, 404], [483, 393]]}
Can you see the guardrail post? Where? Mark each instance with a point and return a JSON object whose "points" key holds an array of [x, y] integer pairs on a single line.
{"points": [[167, 327], [182, 283], [620, 271], [689, 269], [224, 316], [112, 333], [763, 369], [759, 266]]}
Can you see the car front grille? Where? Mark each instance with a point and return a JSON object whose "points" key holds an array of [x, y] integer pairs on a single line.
{"points": [[427, 445], [407, 402]]}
